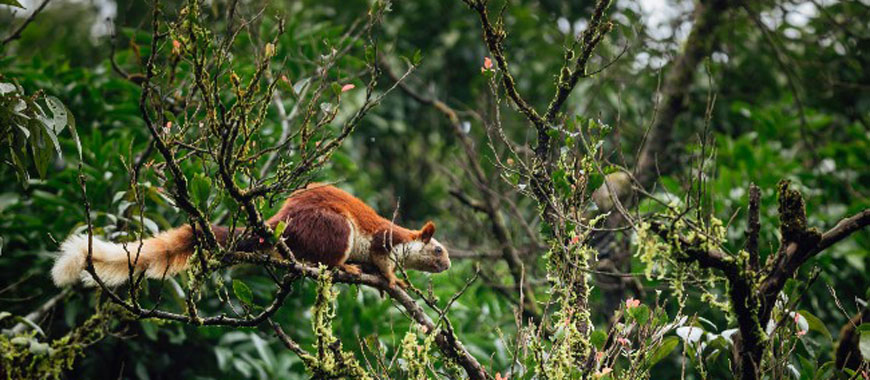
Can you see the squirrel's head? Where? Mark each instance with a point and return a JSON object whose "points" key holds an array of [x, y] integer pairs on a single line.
{"points": [[423, 253]]}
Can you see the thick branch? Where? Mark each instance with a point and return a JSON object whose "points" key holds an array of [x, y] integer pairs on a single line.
{"points": [[795, 256]]}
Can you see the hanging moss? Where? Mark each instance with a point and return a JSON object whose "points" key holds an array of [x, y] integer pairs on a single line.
{"points": [[24, 357], [330, 360]]}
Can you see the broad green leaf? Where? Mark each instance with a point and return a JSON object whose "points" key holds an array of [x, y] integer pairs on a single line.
{"points": [[823, 370], [52, 135], [13, 3], [664, 349], [640, 314], [598, 339], [864, 343], [815, 324], [42, 153], [200, 188], [243, 292], [58, 113]]}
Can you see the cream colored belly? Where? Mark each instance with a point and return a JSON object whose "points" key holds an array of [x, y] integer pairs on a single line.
{"points": [[359, 245]]}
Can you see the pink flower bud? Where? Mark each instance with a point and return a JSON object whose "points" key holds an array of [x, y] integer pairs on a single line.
{"points": [[347, 87]]}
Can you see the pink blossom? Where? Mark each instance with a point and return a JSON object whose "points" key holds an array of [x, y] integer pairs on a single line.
{"points": [[285, 79], [499, 377], [632, 303], [176, 47], [347, 87], [623, 341], [599, 355], [487, 63]]}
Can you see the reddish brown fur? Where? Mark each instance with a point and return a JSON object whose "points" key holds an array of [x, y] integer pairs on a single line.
{"points": [[317, 229], [319, 222], [170, 249], [317, 201]]}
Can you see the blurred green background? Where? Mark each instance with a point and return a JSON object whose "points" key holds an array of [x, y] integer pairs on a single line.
{"points": [[792, 100]]}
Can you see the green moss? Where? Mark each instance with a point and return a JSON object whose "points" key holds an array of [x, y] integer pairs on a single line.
{"points": [[793, 217], [330, 361], [24, 357], [416, 355]]}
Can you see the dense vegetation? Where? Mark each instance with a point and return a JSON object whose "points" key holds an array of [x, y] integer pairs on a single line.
{"points": [[626, 192]]}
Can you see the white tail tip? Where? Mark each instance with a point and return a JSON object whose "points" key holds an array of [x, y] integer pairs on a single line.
{"points": [[70, 264]]}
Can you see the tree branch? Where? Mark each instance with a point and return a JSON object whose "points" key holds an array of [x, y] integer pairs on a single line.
{"points": [[16, 34]]}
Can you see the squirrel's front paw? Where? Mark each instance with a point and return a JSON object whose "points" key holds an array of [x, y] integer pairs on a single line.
{"points": [[397, 281]]}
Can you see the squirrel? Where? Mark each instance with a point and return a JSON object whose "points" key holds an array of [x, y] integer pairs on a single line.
{"points": [[324, 225]]}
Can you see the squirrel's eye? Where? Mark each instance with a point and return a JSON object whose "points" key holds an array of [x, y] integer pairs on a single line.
{"points": [[438, 250]]}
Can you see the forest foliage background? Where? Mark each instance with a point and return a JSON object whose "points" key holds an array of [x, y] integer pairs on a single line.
{"points": [[780, 90]]}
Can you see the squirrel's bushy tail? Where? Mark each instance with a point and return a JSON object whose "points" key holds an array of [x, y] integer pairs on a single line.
{"points": [[160, 256]]}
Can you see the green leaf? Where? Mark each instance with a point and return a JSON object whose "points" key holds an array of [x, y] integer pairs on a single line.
{"points": [[200, 188], [598, 339], [664, 349], [790, 286], [71, 122], [560, 181], [13, 3], [32, 325], [243, 292], [640, 314], [279, 230], [864, 343], [417, 58], [42, 153], [58, 113], [822, 372], [815, 324], [150, 329]]}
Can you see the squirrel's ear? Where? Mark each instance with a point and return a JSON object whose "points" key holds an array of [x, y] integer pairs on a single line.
{"points": [[427, 231]]}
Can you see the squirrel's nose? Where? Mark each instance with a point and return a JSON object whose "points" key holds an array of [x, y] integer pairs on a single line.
{"points": [[445, 265]]}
